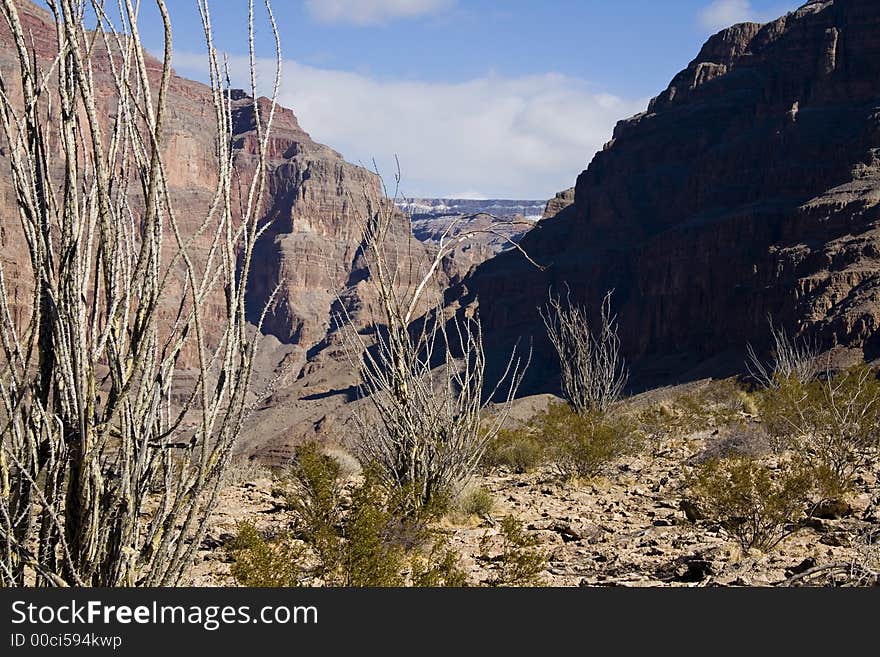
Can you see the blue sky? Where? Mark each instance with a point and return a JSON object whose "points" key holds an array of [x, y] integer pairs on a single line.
{"points": [[481, 98]]}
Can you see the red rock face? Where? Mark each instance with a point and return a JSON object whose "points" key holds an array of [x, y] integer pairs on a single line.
{"points": [[315, 207], [750, 186], [315, 202]]}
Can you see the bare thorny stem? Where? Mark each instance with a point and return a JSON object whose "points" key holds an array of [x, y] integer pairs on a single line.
{"points": [[423, 368], [790, 358], [593, 370], [106, 480]]}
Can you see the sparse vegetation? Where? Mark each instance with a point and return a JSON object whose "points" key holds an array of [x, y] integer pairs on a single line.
{"points": [[754, 503], [360, 536], [832, 423], [258, 561], [477, 502], [422, 369], [518, 450], [593, 370], [354, 532], [716, 405], [584, 445], [791, 358], [520, 562]]}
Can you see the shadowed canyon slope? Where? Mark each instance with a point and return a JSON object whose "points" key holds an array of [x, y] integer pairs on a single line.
{"points": [[749, 187]]}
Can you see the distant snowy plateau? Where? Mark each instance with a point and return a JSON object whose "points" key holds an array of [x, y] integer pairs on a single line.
{"points": [[495, 224]]}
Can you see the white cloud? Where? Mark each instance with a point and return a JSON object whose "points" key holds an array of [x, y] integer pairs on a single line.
{"points": [[724, 13], [524, 137], [371, 12]]}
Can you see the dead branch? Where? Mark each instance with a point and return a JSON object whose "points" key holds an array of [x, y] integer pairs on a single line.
{"points": [[422, 367], [593, 370]]}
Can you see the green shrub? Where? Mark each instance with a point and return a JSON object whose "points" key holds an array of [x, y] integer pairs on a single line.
{"points": [[520, 562], [477, 502], [261, 562], [718, 404], [314, 493], [585, 445], [363, 539], [371, 557], [316, 488], [516, 449], [438, 568], [833, 424], [753, 503]]}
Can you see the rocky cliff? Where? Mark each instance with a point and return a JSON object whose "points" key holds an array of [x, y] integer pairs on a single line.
{"points": [[315, 207], [749, 187], [558, 203]]}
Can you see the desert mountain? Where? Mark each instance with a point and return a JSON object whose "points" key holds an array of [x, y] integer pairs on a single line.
{"points": [[423, 208], [316, 206], [509, 221], [750, 187]]}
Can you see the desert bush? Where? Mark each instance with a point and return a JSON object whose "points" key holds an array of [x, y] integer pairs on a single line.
{"points": [[355, 541], [422, 368], [743, 439], [754, 503], [361, 535], [516, 449], [314, 488], [314, 493], [593, 370], [261, 562], [584, 445], [244, 470], [791, 358], [520, 562], [440, 567], [477, 502], [832, 423], [372, 553], [717, 405]]}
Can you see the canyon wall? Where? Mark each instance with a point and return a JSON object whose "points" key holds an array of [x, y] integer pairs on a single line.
{"points": [[748, 188], [315, 208]]}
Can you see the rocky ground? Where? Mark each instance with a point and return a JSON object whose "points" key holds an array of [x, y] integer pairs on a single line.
{"points": [[627, 528]]}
